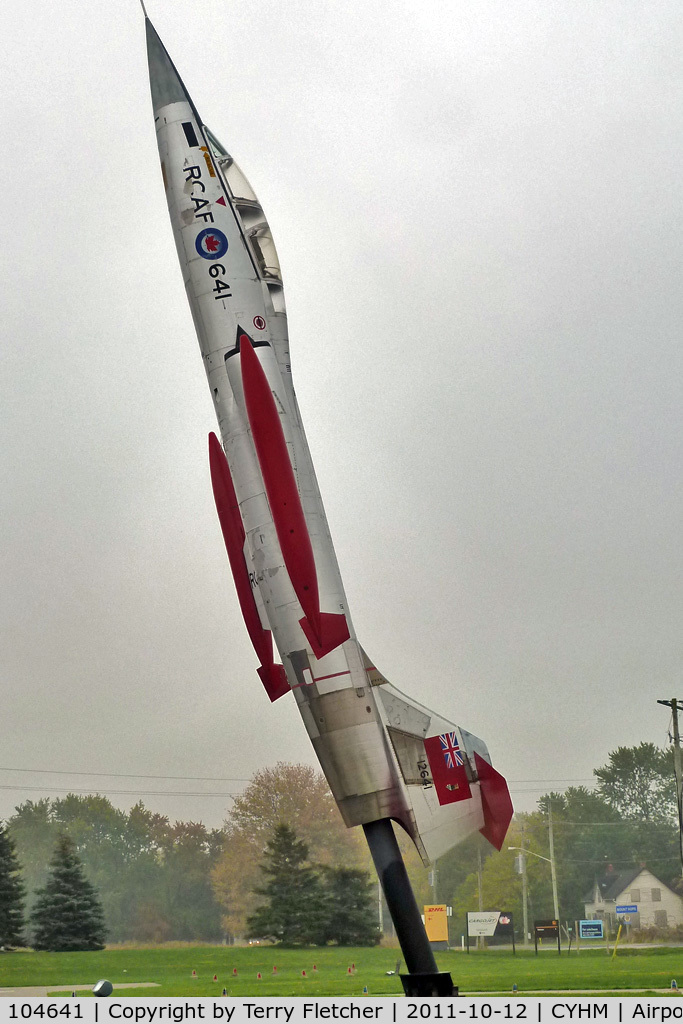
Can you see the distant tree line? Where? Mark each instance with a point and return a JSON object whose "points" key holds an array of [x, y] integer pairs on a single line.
{"points": [[157, 881], [153, 879]]}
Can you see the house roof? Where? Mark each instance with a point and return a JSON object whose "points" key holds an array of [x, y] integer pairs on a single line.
{"points": [[612, 884]]}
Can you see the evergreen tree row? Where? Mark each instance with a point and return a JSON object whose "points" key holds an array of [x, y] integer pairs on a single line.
{"points": [[307, 905], [67, 915], [11, 895]]}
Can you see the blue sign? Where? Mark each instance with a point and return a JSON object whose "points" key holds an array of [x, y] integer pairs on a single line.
{"points": [[627, 908], [591, 930]]}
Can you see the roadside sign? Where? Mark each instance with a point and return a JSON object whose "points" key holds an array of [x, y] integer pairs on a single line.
{"points": [[505, 925], [627, 908], [490, 923], [591, 930], [436, 922], [482, 923], [546, 929]]}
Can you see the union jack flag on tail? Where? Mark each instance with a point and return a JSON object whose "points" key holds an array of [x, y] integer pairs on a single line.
{"points": [[447, 766], [451, 751]]}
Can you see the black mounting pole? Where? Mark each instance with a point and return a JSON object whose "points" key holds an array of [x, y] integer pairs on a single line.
{"points": [[424, 977]]}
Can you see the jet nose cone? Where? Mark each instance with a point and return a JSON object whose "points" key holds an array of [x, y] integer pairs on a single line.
{"points": [[164, 80]]}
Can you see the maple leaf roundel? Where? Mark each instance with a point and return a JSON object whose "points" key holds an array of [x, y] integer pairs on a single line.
{"points": [[211, 244]]}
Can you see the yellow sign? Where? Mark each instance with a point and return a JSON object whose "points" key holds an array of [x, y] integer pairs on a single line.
{"points": [[436, 922]]}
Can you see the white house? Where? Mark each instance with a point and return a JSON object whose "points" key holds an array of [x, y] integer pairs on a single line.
{"points": [[657, 904]]}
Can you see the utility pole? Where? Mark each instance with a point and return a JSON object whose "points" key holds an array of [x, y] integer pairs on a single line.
{"points": [[380, 910], [522, 871], [553, 872], [675, 705], [480, 938], [525, 908], [523, 852], [433, 879]]}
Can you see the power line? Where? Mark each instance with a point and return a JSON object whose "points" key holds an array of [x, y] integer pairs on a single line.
{"points": [[622, 821], [209, 778], [121, 775], [115, 792], [527, 789], [96, 790], [548, 782]]}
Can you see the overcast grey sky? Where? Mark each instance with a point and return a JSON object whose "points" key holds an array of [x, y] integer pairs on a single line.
{"points": [[477, 208]]}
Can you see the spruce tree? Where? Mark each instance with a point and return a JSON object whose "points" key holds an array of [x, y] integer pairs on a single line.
{"points": [[67, 915], [11, 894], [351, 910], [295, 913]]}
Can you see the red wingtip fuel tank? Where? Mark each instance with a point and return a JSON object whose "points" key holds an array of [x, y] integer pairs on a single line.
{"points": [[384, 754], [324, 631], [272, 676]]}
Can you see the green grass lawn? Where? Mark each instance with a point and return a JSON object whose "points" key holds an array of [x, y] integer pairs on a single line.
{"points": [[486, 971]]}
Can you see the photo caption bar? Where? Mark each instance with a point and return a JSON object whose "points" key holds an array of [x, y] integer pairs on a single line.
{"points": [[300, 1010]]}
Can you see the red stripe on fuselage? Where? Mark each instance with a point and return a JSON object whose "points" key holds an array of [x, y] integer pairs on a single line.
{"points": [[280, 483], [230, 518]]}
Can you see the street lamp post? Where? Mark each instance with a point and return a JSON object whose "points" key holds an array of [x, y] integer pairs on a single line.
{"points": [[525, 912], [553, 873], [551, 861]]}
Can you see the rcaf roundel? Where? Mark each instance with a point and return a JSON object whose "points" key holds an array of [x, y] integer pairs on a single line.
{"points": [[211, 244]]}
